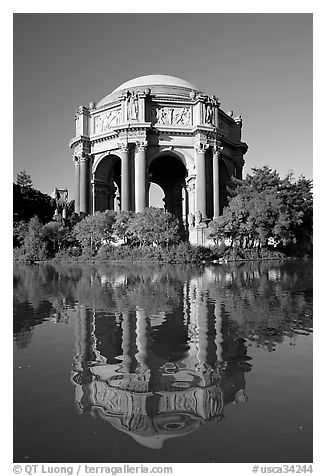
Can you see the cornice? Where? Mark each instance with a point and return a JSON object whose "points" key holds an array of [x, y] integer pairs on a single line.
{"points": [[133, 126], [79, 140], [104, 107], [236, 145], [166, 99], [104, 139]]}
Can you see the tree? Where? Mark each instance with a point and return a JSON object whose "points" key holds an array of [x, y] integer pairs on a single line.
{"points": [[155, 226], [28, 202], [297, 200], [57, 236], [24, 179], [20, 230], [121, 226], [34, 246], [262, 207], [95, 230]]}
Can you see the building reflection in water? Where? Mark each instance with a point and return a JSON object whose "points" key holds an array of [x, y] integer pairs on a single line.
{"points": [[159, 375]]}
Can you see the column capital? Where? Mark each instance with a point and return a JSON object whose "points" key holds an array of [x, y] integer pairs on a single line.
{"points": [[141, 145], [201, 148], [84, 158], [76, 159], [123, 146], [217, 150]]}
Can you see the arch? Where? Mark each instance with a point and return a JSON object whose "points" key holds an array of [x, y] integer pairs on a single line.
{"points": [[169, 171], [106, 182], [184, 157], [102, 156]]}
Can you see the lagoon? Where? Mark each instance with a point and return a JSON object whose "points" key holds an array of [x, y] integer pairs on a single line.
{"points": [[143, 363]]}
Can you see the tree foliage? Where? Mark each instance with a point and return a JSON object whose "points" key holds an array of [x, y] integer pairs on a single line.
{"points": [[122, 226], [264, 208], [95, 229], [24, 180], [29, 202], [57, 236], [154, 226], [34, 246]]}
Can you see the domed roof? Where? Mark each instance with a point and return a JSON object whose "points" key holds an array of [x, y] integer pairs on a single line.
{"points": [[156, 82]]}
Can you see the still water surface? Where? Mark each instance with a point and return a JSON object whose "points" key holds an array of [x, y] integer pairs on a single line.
{"points": [[130, 363]]}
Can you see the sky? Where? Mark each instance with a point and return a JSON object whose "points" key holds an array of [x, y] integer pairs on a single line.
{"points": [[258, 65]]}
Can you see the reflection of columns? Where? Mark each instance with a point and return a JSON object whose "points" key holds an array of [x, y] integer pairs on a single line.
{"points": [[218, 330], [84, 184], [87, 343], [216, 184], [141, 339], [202, 328], [126, 341], [200, 182], [77, 185], [192, 358], [78, 340], [140, 178], [125, 180]]}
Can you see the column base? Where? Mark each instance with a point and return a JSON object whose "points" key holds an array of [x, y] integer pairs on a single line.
{"points": [[198, 235]]}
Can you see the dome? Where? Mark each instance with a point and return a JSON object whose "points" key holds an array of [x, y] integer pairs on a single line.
{"points": [[156, 82]]}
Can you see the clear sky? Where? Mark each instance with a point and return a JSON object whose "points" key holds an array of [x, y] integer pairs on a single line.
{"points": [[259, 65]]}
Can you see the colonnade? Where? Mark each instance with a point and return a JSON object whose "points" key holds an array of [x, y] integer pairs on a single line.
{"points": [[194, 192]]}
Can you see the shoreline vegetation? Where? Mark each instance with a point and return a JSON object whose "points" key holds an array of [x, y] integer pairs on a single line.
{"points": [[183, 253], [267, 218]]}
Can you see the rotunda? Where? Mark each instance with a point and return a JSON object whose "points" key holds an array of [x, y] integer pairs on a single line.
{"points": [[157, 129]]}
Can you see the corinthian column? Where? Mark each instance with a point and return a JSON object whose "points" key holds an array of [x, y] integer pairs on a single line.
{"points": [[84, 184], [140, 178], [77, 185], [200, 183], [125, 179], [216, 182]]}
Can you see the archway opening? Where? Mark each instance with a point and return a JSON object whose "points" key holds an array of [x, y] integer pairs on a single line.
{"points": [[169, 173], [106, 184], [156, 196]]}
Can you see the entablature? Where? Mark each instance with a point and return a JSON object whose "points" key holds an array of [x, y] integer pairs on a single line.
{"points": [[79, 140]]}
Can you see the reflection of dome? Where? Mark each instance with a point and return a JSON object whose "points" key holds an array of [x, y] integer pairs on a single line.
{"points": [[152, 416], [156, 83]]}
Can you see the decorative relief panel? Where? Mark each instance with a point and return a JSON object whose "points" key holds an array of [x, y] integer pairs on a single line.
{"points": [[171, 116], [106, 121]]}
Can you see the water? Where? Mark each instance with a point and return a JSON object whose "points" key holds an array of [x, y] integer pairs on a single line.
{"points": [[130, 363]]}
